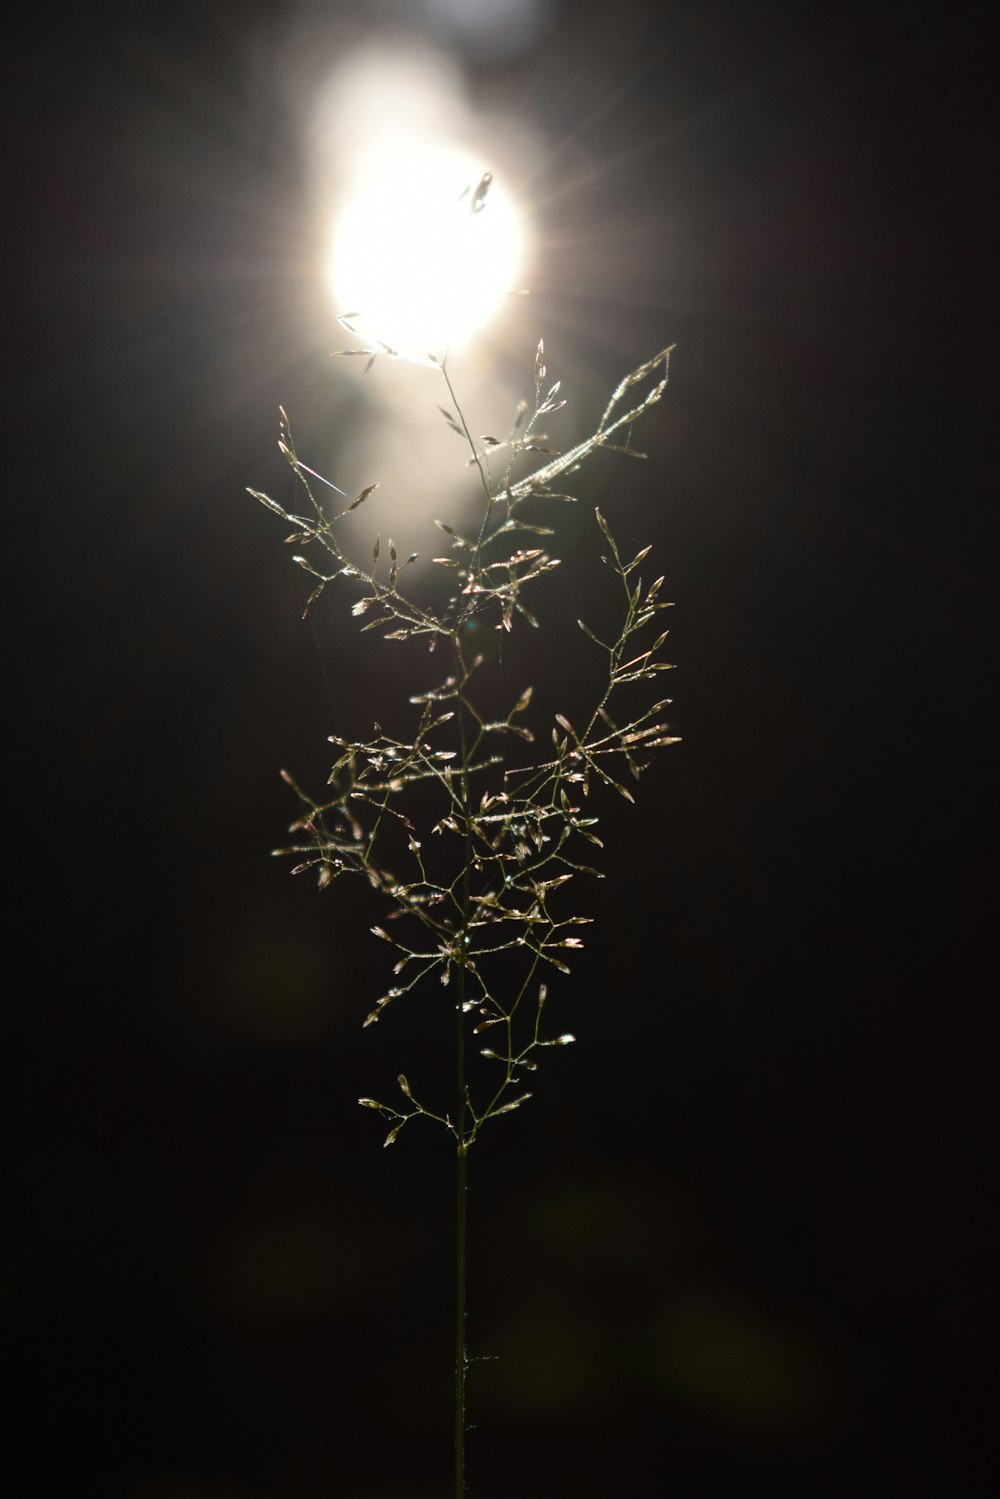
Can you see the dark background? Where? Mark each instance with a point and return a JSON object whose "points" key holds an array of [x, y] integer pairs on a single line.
{"points": [[738, 1240]]}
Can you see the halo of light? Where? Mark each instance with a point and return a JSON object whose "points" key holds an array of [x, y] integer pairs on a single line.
{"points": [[411, 258]]}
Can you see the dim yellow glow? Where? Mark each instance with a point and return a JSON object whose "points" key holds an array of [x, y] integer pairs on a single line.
{"points": [[420, 258]]}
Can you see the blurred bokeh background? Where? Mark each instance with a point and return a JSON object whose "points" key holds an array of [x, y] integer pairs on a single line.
{"points": [[738, 1239]]}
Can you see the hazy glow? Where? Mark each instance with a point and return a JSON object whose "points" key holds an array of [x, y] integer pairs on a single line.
{"points": [[423, 270], [494, 27], [392, 138]]}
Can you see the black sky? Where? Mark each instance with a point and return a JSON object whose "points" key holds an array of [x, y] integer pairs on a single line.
{"points": [[742, 1240]]}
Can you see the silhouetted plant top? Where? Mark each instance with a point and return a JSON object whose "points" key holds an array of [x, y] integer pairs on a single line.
{"points": [[475, 854]]}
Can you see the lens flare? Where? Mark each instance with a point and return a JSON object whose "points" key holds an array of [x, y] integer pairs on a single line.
{"points": [[424, 250]]}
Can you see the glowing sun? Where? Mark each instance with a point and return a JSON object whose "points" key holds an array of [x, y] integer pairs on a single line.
{"points": [[425, 250]]}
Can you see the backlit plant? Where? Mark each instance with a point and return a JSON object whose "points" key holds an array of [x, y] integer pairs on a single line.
{"points": [[472, 827]]}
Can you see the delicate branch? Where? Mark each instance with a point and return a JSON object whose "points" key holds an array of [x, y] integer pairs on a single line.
{"points": [[518, 826]]}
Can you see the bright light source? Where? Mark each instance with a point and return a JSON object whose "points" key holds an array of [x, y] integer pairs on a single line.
{"points": [[422, 257]]}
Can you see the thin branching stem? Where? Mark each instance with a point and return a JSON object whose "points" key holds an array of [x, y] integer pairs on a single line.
{"points": [[472, 847], [462, 1149], [461, 1356]]}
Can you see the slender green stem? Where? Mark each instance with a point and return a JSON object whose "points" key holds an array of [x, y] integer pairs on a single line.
{"points": [[483, 477], [461, 1358]]}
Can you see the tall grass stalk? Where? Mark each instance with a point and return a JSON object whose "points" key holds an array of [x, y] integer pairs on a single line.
{"points": [[474, 825]]}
